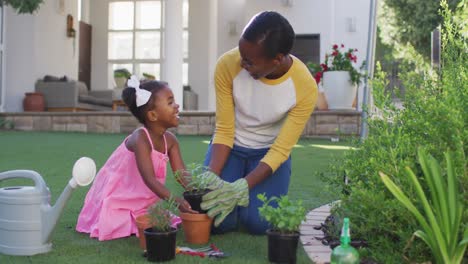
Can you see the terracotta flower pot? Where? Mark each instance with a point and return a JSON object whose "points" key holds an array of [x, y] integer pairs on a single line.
{"points": [[33, 102], [197, 227], [143, 222]]}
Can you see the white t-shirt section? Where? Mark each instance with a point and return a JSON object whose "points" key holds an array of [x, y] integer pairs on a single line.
{"points": [[261, 109]]}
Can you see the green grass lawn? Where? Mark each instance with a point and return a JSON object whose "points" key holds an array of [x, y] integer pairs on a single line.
{"points": [[53, 155]]}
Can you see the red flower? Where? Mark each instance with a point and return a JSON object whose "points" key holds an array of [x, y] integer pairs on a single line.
{"points": [[340, 59], [318, 77]]}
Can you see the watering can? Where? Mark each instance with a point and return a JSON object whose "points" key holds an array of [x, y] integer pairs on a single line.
{"points": [[27, 220]]}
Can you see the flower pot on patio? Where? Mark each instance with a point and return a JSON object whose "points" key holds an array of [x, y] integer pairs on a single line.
{"points": [[33, 102], [197, 227], [339, 90]]}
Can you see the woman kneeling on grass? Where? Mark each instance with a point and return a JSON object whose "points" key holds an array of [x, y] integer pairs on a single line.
{"points": [[264, 98], [133, 177]]}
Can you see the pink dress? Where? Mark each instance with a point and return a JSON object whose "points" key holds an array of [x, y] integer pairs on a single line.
{"points": [[118, 194]]}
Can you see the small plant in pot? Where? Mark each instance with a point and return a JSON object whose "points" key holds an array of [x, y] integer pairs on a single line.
{"points": [[195, 185], [285, 220], [161, 236], [197, 227]]}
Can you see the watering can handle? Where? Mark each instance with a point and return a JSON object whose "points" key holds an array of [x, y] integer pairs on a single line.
{"points": [[26, 174]]}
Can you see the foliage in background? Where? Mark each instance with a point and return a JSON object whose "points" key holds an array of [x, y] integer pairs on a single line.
{"points": [[160, 214], [23, 6], [440, 219], [435, 115], [339, 59], [122, 73], [407, 25], [6, 124], [286, 217]]}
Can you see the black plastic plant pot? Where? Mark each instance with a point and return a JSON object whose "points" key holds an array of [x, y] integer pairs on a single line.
{"points": [[282, 248], [194, 198], [160, 246]]}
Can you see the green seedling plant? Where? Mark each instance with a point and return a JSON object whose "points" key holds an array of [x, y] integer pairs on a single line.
{"points": [[286, 217], [192, 179], [160, 214], [442, 208]]}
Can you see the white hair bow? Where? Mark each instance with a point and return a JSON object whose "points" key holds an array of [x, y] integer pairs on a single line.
{"points": [[142, 95]]}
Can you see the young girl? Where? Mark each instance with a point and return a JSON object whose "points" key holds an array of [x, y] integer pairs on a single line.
{"points": [[133, 177]]}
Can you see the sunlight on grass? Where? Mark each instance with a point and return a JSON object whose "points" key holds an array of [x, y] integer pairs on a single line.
{"points": [[333, 147]]}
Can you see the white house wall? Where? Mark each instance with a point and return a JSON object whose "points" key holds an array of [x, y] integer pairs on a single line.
{"points": [[100, 76], [36, 45]]}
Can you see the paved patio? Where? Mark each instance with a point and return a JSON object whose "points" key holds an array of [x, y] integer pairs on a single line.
{"points": [[314, 248]]}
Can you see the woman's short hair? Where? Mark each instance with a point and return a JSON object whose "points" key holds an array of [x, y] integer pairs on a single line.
{"points": [[272, 30]]}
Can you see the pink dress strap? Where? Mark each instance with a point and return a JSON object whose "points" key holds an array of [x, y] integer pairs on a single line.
{"points": [[165, 143], [149, 138]]}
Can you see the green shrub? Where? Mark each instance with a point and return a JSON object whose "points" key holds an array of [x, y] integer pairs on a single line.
{"points": [[435, 115], [440, 219]]}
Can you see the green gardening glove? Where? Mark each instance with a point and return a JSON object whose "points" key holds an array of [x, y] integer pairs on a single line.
{"points": [[224, 197]]}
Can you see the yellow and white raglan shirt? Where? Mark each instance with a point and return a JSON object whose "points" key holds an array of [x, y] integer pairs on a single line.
{"points": [[262, 113]]}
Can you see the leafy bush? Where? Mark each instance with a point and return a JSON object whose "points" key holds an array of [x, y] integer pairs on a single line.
{"points": [[160, 214], [286, 217], [6, 124], [23, 6], [434, 114]]}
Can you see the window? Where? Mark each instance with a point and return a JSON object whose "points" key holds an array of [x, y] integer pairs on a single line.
{"points": [[135, 37]]}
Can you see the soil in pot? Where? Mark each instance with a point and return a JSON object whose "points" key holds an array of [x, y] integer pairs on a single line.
{"points": [[282, 248], [197, 228], [194, 198], [142, 222], [160, 246]]}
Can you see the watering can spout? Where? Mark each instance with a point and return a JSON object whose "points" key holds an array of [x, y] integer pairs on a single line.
{"points": [[83, 173]]}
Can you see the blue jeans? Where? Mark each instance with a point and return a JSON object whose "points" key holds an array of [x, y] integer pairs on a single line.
{"points": [[241, 162]]}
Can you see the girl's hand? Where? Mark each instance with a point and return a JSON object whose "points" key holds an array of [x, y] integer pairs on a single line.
{"points": [[184, 206]]}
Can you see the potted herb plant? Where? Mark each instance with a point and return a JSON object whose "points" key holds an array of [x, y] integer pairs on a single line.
{"points": [[195, 185], [161, 236], [197, 227], [285, 220], [120, 77], [339, 76]]}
